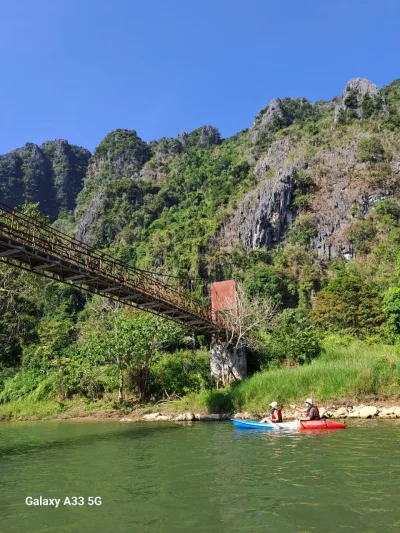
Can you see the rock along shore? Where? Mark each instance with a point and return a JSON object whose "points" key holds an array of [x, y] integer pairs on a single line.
{"points": [[359, 411]]}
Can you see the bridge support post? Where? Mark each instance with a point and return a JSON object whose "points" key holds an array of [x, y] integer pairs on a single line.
{"points": [[227, 363]]}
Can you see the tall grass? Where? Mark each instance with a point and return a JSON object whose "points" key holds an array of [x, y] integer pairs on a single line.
{"points": [[26, 409], [356, 372]]}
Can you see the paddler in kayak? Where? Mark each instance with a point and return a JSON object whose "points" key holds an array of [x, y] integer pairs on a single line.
{"points": [[276, 414], [312, 412]]}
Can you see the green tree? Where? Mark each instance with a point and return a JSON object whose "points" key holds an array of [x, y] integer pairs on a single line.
{"points": [[362, 234], [20, 315], [180, 373], [265, 281], [351, 99], [389, 210], [54, 336], [130, 341], [391, 308], [349, 304], [294, 339]]}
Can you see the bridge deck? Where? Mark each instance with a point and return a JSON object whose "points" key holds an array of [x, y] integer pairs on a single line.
{"points": [[40, 249]]}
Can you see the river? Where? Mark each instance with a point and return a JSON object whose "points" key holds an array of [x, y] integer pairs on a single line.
{"points": [[201, 477]]}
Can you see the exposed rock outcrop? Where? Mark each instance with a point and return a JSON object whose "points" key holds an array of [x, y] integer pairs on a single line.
{"points": [[273, 114], [340, 413], [227, 364], [151, 416], [340, 193], [279, 114], [263, 215], [276, 157], [341, 196], [209, 418], [364, 411], [87, 225], [361, 87], [203, 137], [360, 97], [185, 417]]}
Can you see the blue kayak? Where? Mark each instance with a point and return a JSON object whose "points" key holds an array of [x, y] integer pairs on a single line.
{"points": [[292, 425], [255, 424]]}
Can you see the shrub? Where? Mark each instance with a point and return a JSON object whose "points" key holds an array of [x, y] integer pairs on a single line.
{"points": [[179, 373], [20, 385], [294, 340], [370, 105], [265, 281], [351, 99], [303, 230], [370, 150], [5, 374], [95, 381], [362, 234], [388, 209]]}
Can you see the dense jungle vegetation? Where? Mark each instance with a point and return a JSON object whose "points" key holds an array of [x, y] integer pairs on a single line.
{"points": [[184, 207]]}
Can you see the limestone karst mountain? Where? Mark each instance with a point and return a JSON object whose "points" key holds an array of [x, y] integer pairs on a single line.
{"points": [[51, 174], [184, 203]]}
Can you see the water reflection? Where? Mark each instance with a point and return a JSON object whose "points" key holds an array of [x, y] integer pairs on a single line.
{"points": [[201, 478]]}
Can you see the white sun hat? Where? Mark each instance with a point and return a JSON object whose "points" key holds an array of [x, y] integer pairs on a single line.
{"points": [[309, 400], [273, 404]]}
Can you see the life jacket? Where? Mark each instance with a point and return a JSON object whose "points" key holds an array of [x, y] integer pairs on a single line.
{"points": [[316, 417], [276, 415]]}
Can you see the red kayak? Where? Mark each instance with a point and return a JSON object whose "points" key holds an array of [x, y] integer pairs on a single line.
{"points": [[293, 425], [321, 424]]}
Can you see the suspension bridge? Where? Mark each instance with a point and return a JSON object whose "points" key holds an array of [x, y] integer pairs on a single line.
{"points": [[37, 247]]}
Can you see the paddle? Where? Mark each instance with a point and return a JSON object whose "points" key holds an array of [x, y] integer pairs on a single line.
{"points": [[273, 424]]}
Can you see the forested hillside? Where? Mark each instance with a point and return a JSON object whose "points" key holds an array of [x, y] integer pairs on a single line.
{"points": [[51, 174], [302, 207]]}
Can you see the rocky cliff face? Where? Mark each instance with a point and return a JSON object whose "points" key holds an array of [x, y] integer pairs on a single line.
{"points": [[264, 214], [51, 174], [344, 187], [360, 99], [279, 114], [346, 190]]}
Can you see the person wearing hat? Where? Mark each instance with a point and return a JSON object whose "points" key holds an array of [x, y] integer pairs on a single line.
{"points": [[312, 412], [276, 414]]}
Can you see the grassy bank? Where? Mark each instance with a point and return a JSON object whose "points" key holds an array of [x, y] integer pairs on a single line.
{"points": [[357, 372], [27, 409]]}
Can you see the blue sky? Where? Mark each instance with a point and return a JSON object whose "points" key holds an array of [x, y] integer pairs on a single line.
{"points": [[78, 69]]}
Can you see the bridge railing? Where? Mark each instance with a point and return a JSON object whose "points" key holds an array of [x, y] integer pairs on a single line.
{"points": [[29, 232]]}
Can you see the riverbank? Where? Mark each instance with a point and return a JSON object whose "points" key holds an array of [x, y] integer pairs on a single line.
{"points": [[333, 412], [344, 409], [344, 377]]}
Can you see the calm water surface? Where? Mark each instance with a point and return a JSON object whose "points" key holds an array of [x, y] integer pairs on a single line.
{"points": [[201, 477]]}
